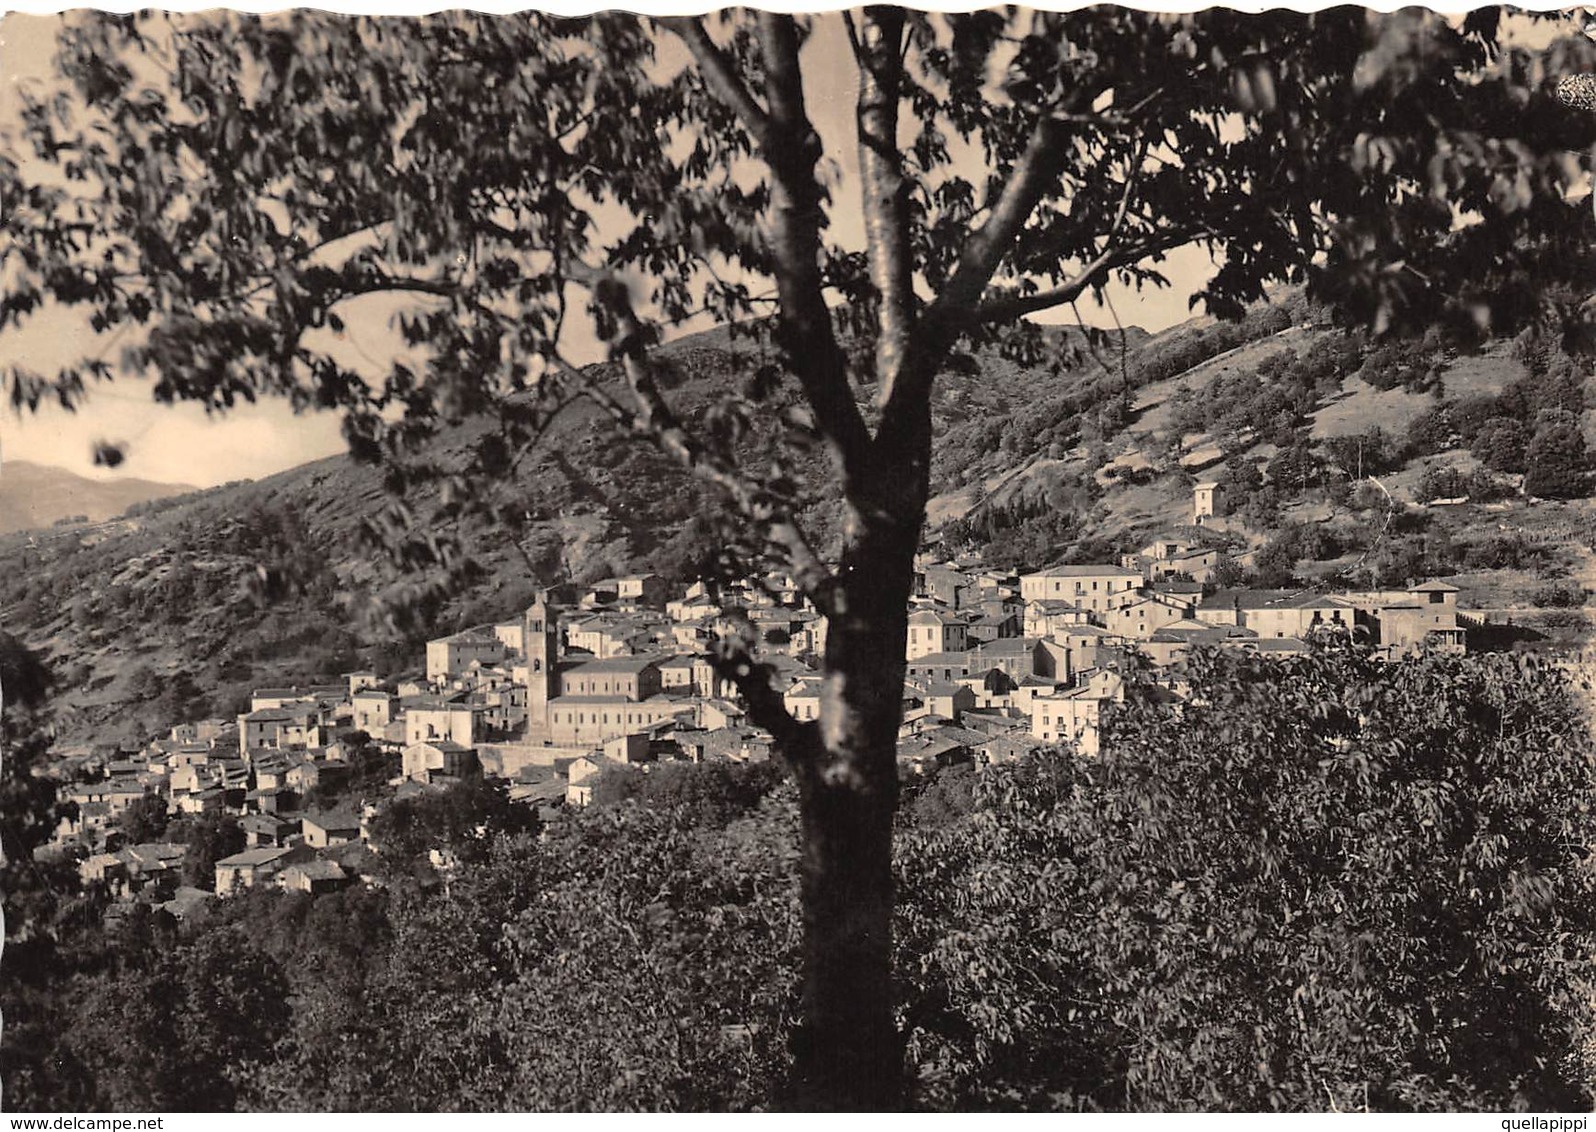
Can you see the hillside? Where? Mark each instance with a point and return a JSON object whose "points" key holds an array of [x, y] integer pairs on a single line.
{"points": [[1066, 448], [1346, 463], [181, 606], [38, 495]]}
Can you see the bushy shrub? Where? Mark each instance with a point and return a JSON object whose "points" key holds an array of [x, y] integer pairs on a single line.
{"points": [[1442, 483], [1558, 595], [1556, 462], [1501, 444]]}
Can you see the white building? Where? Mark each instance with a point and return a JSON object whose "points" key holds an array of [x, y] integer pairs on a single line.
{"points": [[1091, 587]]}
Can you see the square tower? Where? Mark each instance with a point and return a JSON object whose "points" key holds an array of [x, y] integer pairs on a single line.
{"points": [[1208, 502], [541, 637]]}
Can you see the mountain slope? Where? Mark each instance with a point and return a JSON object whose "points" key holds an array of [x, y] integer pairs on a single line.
{"points": [[178, 609], [1067, 448], [38, 495]]}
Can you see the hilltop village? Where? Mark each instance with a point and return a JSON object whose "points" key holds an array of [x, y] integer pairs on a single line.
{"points": [[618, 674]]}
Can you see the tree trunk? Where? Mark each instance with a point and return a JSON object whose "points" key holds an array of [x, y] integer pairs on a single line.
{"points": [[848, 1054]]}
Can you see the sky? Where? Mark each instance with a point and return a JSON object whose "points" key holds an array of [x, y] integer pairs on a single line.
{"points": [[181, 444]]}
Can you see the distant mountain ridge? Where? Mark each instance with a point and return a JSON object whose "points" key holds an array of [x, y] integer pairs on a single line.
{"points": [[34, 496]]}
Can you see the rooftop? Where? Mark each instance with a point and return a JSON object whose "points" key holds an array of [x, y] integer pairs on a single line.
{"points": [[933, 616], [252, 858], [477, 636], [1274, 644], [333, 820], [445, 745], [1245, 599], [155, 853], [288, 713], [932, 659], [666, 698], [618, 664], [1089, 570], [1008, 646]]}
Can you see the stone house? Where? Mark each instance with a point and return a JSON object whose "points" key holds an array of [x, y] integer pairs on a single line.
{"points": [[324, 830]]}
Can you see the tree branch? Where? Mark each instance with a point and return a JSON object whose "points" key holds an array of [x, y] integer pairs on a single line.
{"points": [[538, 433], [790, 147], [378, 283], [883, 188], [798, 742], [721, 76], [1009, 307], [1059, 244], [1034, 174], [654, 419], [902, 413]]}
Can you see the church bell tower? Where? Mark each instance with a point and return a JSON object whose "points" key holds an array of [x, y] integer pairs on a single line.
{"points": [[541, 632]]}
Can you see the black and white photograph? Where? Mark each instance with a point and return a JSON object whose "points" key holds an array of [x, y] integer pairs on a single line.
{"points": [[876, 560]]}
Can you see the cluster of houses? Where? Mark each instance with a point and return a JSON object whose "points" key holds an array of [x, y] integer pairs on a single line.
{"points": [[1033, 658], [618, 674], [269, 778]]}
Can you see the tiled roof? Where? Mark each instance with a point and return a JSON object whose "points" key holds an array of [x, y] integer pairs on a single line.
{"points": [[618, 664], [318, 870], [1273, 644], [1245, 599], [932, 659], [334, 821], [253, 858], [1007, 646], [1091, 570], [156, 854]]}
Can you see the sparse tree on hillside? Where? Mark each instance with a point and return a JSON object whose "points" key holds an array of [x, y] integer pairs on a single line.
{"points": [[485, 176]]}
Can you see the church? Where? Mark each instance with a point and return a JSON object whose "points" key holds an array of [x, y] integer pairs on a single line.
{"points": [[575, 703]]}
